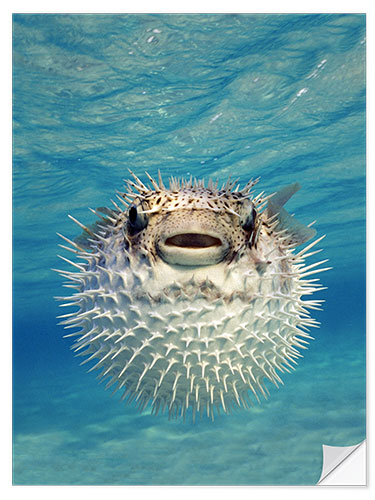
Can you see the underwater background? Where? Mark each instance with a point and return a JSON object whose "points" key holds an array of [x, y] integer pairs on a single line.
{"points": [[276, 96]]}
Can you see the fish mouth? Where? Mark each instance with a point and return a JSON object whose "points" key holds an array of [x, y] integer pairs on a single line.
{"points": [[192, 249], [193, 240]]}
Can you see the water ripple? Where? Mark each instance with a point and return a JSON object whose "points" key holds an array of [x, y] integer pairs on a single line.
{"points": [[280, 96]]}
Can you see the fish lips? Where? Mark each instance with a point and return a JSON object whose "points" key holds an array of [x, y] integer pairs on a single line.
{"points": [[192, 248]]}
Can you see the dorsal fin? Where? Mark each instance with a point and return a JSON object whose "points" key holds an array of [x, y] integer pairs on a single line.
{"points": [[298, 232]]}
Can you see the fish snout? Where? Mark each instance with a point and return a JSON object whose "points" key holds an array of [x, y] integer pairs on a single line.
{"points": [[192, 248]]}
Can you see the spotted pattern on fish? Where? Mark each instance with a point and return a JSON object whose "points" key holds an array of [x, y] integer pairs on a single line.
{"points": [[191, 298]]}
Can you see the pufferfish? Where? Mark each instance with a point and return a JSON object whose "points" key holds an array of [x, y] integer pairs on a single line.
{"points": [[190, 297]]}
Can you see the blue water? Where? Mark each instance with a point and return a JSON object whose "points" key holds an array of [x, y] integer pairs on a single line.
{"points": [[276, 96]]}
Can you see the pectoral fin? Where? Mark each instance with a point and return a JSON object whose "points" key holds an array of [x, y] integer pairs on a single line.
{"points": [[83, 240], [298, 232]]}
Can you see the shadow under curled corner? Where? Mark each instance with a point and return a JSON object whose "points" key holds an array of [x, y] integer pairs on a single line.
{"points": [[344, 465]]}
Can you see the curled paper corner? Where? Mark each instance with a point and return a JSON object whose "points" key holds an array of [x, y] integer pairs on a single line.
{"points": [[344, 465]]}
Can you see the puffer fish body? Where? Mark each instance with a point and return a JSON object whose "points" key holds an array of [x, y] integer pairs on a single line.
{"points": [[190, 297]]}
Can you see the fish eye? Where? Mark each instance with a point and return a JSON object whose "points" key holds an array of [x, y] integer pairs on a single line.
{"points": [[137, 221], [132, 215], [248, 217]]}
